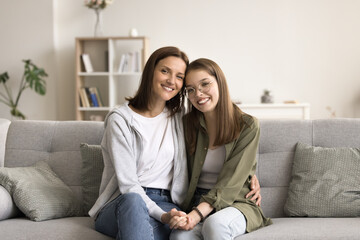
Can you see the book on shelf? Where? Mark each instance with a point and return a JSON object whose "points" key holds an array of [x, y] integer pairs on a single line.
{"points": [[87, 62], [90, 97], [98, 96], [129, 62], [137, 62], [81, 100], [122, 63], [94, 100], [88, 94], [83, 97]]}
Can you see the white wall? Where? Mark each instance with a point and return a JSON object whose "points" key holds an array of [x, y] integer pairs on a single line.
{"points": [[26, 32], [305, 50]]}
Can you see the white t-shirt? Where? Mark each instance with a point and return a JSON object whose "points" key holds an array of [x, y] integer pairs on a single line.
{"points": [[155, 167], [213, 164]]}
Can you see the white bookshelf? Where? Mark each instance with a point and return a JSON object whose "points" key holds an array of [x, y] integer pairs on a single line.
{"points": [[105, 55]]}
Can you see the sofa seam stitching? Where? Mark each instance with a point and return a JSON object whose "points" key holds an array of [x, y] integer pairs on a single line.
{"points": [[52, 137]]}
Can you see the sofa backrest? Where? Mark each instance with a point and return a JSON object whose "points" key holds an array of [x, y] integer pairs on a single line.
{"points": [[59, 143], [278, 139]]}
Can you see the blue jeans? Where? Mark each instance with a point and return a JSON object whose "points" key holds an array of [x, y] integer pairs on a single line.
{"points": [[225, 224], [127, 217]]}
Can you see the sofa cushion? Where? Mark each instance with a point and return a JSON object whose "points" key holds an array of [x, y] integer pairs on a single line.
{"points": [[38, 192], [8, 208], [300, 228], [325, 182], [91, 173], [71, 228]]}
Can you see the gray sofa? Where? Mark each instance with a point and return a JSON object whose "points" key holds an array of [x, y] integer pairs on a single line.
{"points": [[58, 143]]}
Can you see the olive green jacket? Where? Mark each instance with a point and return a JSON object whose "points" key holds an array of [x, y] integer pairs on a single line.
{"points": [[234, 179]]}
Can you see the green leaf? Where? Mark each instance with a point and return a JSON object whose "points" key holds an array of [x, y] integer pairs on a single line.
{"points": [[4, 77], [27, 61], [34, 77]]}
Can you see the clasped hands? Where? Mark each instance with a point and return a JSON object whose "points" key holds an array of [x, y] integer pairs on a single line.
{"points": [[180, 220]]}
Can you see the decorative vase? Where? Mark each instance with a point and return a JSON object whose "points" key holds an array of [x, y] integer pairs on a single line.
{"points": [[98, 23], [266, 97]]}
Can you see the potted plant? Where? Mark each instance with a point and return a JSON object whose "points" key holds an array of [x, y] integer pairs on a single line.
{"points": [[33, 78]]}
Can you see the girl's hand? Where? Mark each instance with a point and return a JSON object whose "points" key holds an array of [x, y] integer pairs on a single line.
{"points": [[255, 190], [172, 214], [193, 219], [176, 222]]}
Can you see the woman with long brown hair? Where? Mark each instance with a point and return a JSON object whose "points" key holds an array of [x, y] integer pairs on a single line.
{"points": [[221, 142], [145, 173]]}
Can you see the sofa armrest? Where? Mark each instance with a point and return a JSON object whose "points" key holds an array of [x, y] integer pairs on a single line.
{"points": [[4, 126]]}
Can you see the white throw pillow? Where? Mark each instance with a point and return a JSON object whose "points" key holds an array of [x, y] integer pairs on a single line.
{"points": [[8, 208], [4, 126]]}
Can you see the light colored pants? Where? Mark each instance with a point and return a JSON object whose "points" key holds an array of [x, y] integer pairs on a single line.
{"points": [[224, 224]]}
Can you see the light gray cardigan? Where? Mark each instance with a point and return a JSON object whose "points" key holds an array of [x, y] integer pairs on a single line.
{"points": [[122, 148]]}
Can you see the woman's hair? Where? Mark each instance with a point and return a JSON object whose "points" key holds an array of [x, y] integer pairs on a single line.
{"points": [[228, 115], [143, 95]]}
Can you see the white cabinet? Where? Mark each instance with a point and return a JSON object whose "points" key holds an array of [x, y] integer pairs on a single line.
{"points": [[113, 84], [277, 110]]}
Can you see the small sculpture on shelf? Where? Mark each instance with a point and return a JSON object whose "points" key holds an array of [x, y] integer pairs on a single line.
{"points": [[133, 32], [267, 97]]}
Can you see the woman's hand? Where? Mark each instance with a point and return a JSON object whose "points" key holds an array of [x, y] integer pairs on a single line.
{"points": [[192, 220], [177, 220], [194, 217], [173, 217], [180, 220], [255, 190]]}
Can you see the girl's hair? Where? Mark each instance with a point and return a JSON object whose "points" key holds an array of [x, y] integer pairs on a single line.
{"points": [[228, 115], [141, 99]]}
